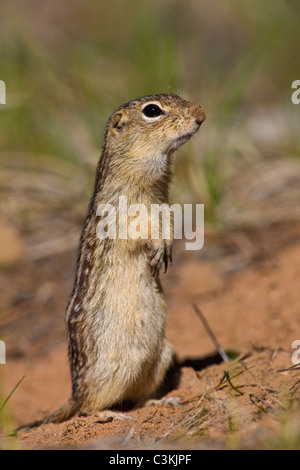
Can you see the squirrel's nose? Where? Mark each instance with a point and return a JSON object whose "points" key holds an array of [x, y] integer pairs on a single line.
{"points": [[199, 114], [199, 120]]}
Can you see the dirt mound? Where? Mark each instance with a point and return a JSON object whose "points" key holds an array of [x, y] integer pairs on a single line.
{"points": [[252, 401]]}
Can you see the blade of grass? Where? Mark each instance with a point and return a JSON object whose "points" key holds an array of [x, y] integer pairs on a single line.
{"points": [[210, 333], [13, 390]]}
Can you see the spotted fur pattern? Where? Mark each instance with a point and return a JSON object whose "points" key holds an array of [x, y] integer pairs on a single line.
{"points": [[116, 314]]}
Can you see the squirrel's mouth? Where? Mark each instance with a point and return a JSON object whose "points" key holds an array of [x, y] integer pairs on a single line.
{"points": [[180, 140], [183, 138]]}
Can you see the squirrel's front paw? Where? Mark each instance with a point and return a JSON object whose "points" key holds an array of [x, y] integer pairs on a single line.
{"points": [[158, 251]]}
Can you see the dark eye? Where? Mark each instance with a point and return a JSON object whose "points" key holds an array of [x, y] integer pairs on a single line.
{"points": [[152, 111]]}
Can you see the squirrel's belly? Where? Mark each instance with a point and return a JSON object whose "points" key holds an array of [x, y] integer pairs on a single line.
{"points": [[127, 307], [123, 333]]}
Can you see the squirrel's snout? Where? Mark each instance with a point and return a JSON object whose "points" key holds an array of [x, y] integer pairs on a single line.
{"points": [[200, 119], [200, 116]]}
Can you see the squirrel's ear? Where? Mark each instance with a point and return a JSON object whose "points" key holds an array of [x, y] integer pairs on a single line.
{"points": [[118, 122]]}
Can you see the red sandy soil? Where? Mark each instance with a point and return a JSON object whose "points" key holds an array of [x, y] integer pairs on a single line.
{"points": [[246, 285]]}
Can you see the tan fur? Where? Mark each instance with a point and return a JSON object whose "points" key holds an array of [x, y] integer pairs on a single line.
{"points": [[117, 312]]}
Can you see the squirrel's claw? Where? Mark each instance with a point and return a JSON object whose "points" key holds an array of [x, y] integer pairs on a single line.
{"points": [[158, 255]]}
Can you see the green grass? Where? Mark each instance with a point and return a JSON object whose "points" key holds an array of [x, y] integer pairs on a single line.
{"points": [[67, 72], [7, 425], [62, 86]]}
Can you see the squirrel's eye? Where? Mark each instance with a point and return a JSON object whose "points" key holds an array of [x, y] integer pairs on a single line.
{"points": [[152, 111]]}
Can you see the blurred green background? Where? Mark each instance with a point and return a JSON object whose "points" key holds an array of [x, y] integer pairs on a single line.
{"points": [[68, 65]]}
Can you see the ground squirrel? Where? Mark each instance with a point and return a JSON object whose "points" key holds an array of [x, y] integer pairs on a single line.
{"points": [[116, 315]]}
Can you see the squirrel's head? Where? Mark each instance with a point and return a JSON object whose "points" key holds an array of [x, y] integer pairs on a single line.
{"points": [[144, 132]]}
